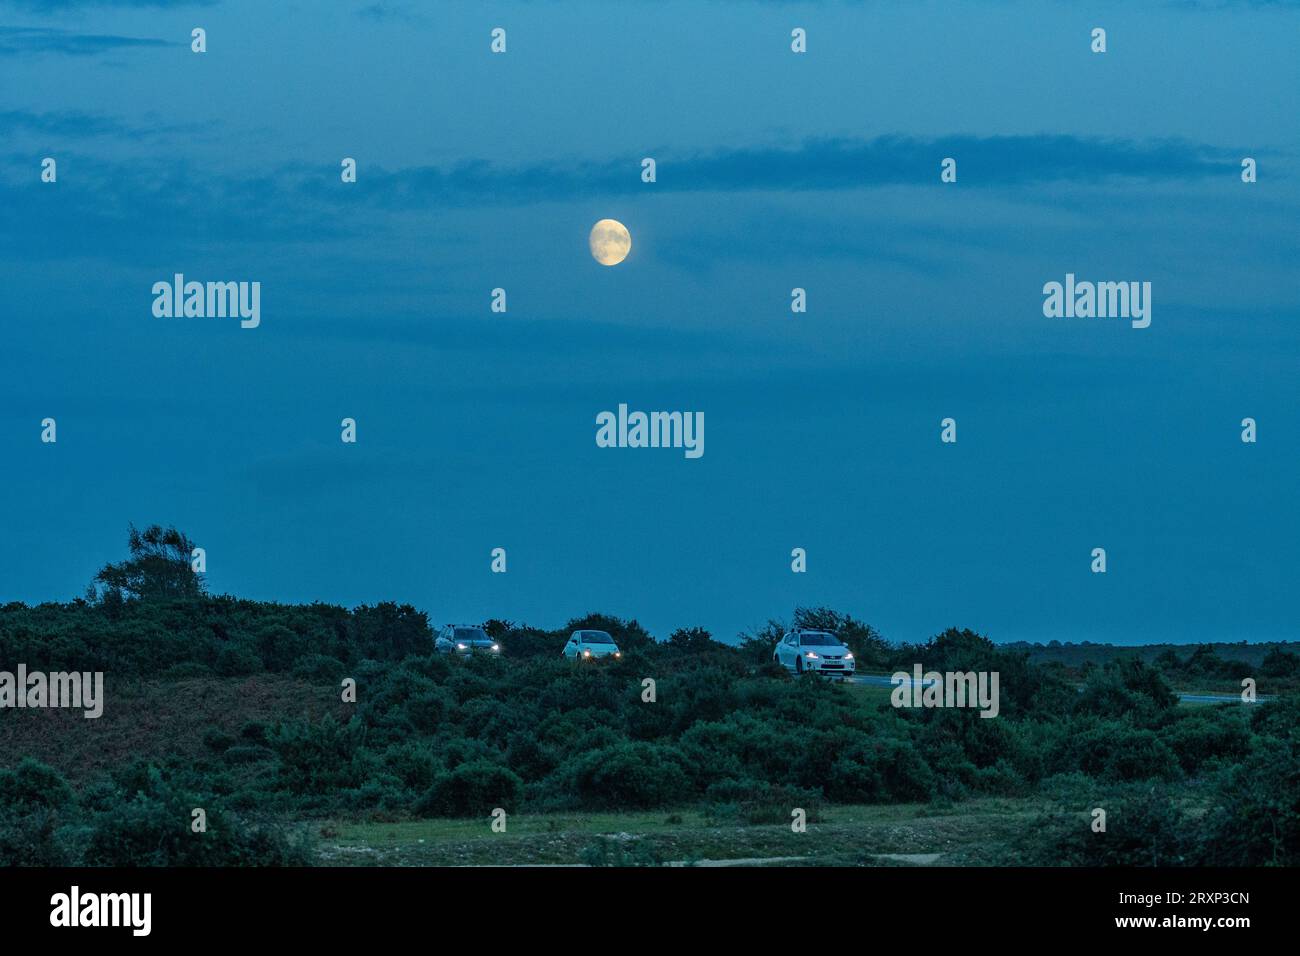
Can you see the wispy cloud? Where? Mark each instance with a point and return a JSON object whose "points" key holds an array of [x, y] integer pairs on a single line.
{"points": [[815, 165], [146, 201], [69, 125], [60, 123], [30, 41], [1228, 4], [64, 6], [385, 12]]}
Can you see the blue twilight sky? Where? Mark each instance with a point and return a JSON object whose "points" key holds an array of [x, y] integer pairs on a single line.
{"points": [[775, 170]]}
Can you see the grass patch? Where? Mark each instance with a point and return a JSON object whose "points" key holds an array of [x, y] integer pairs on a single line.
{"points": [[968, 834]]}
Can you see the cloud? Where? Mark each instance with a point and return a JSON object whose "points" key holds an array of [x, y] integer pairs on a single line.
{"points": [[75, 123], [814, 165], [163, 199], [63, 6], [28, 41], [1228, 4], [383, 12], [61, 123], [122, 210]]}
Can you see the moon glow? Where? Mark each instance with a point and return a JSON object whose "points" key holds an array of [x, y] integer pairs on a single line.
{"points": [[610, 242]]}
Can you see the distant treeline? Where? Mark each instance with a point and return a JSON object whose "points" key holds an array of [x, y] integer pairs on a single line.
{"points": [[1209, 659]]}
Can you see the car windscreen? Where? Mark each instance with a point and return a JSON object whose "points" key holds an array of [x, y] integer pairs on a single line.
{"points": [[471, 634], [596, 637], [819, 640]]}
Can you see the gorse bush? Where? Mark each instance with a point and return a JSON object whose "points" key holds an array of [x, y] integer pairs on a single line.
{"points": [[477, 787], [34, 799], [33, 785], [138, 819], [34, 838], [1256, 817], [152, 826], [629, 775], [1144, 826], [319, 758], [755, 802]]}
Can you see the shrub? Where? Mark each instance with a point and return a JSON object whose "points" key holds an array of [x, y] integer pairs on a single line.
{"points": [[319, 667], [1145, 826], [152, 827], [1280, 663], [32, 839], [1114, 750], [617, 851], [1257, 818], [759, 803], [1129, 689], [1201, 737], [414, 764], [236, 661], [317, 758], [628, 775], [472, 789], [880, 770], [33, 785]]}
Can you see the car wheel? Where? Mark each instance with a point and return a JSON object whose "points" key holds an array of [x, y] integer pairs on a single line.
{"points": [[798, 665]]}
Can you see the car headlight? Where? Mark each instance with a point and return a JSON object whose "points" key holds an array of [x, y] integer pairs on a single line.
{"points": [[586, 653], [460, 647], [848, 655], [496, 647], [811, 656], [618, 653]]}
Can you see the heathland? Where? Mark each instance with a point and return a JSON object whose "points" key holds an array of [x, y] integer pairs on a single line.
{"points": [[240, 708]]}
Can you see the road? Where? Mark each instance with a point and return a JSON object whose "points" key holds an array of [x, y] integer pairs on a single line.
{"points": [[881, 680]]}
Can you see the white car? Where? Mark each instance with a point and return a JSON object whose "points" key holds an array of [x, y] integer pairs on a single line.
{"points": [[817, 651], [589, 645], [465, 640]]}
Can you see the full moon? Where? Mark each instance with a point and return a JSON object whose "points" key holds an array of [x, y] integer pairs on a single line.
{"points": [[610, 242]]}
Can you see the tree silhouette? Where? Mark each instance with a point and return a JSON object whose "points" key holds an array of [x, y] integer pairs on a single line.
{"points": [[159, 567]]}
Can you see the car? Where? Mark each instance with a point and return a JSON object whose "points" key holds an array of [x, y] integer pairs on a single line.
{"points": [[465, 639], [589, 645], [819, 652]]}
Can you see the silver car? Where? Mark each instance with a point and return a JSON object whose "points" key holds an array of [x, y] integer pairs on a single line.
{"points": [[465, 640]]}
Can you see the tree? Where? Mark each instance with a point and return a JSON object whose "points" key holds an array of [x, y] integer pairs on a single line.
{"points": [[1279, 663], [757, 645], [1204, 662], [1168, 661], [691, 640], [159, 567]]}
